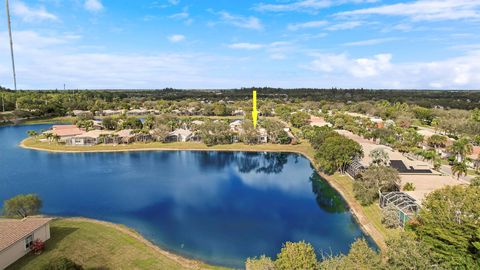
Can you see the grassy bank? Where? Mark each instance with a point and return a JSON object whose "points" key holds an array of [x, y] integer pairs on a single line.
{"points": [[101, 245], [54, 120], [34, 143]]}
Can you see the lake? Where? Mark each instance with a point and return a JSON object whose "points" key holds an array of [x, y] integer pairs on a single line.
{"points": [[218, 207]]}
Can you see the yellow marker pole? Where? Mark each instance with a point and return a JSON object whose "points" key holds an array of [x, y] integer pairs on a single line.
{"points": [[254, 111]]}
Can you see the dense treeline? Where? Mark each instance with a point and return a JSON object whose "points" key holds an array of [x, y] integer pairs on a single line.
{"points": [[82, 99]]}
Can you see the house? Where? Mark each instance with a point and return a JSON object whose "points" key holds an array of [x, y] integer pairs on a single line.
{"points": [[65, 132], [138, 112], [81, 113], [124, 136], [89, 138], [17, 236], [112, 112], [377, 121], [262, 135], [198, 122], [238, 112], [236, 125], [179, 135]]}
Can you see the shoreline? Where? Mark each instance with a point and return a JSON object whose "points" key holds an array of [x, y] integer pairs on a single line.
{"points": [[182, 260], [355, 208]]}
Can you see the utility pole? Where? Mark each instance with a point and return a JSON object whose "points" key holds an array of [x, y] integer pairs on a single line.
{"points": [[11, 46]]}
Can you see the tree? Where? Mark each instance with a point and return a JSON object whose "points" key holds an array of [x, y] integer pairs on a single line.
{"points": [[61, 263], [300, 119], [437, 141], [261, 263], [318, 135], [220, 109], [461, 148], [379, 157], [249, 134], [85, 124], [459, 169], [132, 123], [406, 252], [149, 122], [22, 205], [390, 216], [360, 257], [337, 152], [274, 129], [448, 224], [374, 180], [109, 123], [32, 133], [475, 182], [296, 256], [283, 138]]}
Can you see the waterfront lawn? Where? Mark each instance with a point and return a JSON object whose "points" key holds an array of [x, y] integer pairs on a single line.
{"points": [[372, 212], [34, 142], [101, 246], [54, 120]]}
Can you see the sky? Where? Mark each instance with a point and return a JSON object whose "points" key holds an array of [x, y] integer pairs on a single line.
{"points": [[193, 44]]}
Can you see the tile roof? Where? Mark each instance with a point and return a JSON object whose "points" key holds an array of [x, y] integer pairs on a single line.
{"points": [[14, 230]]}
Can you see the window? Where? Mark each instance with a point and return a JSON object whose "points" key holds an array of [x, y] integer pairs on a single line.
{"points": [[28, 241]]}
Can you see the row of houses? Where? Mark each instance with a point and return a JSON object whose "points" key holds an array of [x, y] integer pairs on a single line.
{"points": [[74, 136], [142, 111]]}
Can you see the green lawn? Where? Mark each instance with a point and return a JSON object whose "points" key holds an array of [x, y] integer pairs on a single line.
{"points": [[55, 120], [372, 212], [102, 246], [304, 147]]}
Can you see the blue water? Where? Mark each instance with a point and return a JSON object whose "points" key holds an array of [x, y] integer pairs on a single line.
{"points": [[218, 207]]}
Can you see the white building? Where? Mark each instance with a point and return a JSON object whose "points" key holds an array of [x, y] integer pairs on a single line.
{"points": [[18, 235]]}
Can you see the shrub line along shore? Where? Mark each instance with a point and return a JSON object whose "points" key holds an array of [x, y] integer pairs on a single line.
{"points": [[303, 149]]}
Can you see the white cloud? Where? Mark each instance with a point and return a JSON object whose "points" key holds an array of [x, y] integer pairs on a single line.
{"points": [[370, 42], [246, 46], [344, 25], [305, 5], [359, 68], [241, 21], [176, 38], [311, 24], [425, 10], [379, 72], [180, 15], [93, 5], [30, 14]]}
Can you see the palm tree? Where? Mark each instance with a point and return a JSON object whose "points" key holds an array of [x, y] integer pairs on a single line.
{"points": [[461, 148], [459, 169]]}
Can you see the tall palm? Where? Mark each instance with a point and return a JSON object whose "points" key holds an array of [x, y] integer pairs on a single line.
{"points": [[459, 169], [461, 148]]}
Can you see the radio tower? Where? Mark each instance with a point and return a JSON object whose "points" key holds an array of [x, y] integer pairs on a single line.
{"points": [[11, 46]]}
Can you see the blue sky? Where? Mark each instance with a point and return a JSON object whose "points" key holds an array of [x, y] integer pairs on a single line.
{"points": [[428, 44]]}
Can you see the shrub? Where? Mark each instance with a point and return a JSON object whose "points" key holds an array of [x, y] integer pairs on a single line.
{"points": [[262, 263], [296, 256], [409, 187], [62, 263], [390, 216], [38, 246]]}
